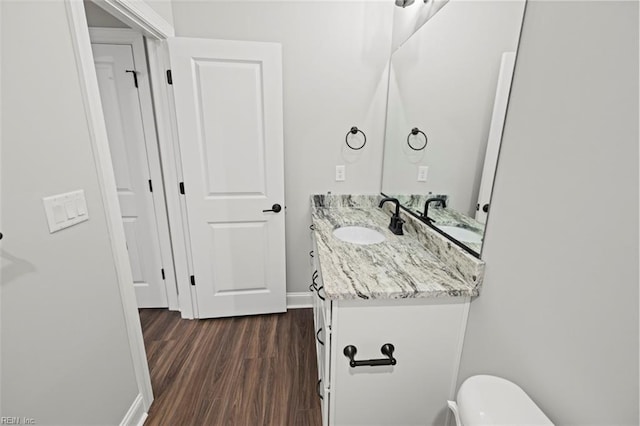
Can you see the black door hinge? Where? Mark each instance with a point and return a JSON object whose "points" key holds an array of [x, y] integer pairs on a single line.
{"points": [[135, 77], [193, 280], [162, 270], [182, 188], [169, 78], [150, 186]]}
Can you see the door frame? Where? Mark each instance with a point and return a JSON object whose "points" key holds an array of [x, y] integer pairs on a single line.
{"points": [[128, 37], [140, 16], [170, 157]]}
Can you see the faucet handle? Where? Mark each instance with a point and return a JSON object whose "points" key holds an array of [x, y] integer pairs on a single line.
{"points": [[395, 225]]}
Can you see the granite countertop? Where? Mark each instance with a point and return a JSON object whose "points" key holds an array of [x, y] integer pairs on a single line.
{"points": [[449, 217], [399, 267], [443, 216]]}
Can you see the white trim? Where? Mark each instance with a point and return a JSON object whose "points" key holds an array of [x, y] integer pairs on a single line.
{"points": [[134, 39], [496, 128], [115, 36], [106, 179], [456, 370], [1, 188], [136, 414], [298, 300], [170, 157], [140, 16]]}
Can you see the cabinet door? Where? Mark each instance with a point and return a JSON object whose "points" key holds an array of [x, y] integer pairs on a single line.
{"points": [[323, 348], [326, 403], [427, 335]]}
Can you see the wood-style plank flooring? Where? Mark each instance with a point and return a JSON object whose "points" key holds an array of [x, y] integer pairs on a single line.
{"points": [[254, 370]]}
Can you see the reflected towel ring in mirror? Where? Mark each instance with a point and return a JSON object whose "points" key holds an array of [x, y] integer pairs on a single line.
{"points": [[414, 132], [354, 130]]}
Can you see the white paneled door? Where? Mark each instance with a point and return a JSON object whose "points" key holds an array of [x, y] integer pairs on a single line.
{"points": [[115, 69], [228, 97]]}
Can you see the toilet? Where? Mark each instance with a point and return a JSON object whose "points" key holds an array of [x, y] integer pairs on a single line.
{"points": [[491, 400]]}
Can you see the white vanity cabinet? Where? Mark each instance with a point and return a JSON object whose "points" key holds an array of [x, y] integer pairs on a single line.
{"points": [[427, 334]]}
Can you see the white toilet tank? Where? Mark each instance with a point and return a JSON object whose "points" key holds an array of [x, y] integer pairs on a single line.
{"points": [[491, 400]]}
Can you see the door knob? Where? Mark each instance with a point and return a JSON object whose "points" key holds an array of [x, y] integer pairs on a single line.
{"points": [[485, 208], [275, 208]]}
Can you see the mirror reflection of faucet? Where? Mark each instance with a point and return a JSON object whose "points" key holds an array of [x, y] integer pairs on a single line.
{"points": [[395, 225], [440, 200]]}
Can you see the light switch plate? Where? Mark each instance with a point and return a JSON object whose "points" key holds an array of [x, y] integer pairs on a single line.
{"points": [[340, 173], [422, 173], [65, 210]]}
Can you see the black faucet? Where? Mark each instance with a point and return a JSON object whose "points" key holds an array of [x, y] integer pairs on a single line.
{"points": [[441, 200], [396, 222]]}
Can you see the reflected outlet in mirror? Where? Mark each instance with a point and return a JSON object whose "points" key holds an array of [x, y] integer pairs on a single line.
{"points": [[448, 92]]}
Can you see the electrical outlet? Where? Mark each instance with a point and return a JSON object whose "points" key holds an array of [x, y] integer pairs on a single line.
{"points": [[340, 173], [422, 173]]}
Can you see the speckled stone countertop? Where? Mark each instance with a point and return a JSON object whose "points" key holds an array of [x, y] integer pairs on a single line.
{"points": [[399, 267]]}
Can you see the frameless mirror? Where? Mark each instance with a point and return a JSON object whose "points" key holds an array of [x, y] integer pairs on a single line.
{"points": [[448, 91]]}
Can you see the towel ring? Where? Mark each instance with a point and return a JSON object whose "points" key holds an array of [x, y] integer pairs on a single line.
{"points": [[414, 132], [354, 130]]}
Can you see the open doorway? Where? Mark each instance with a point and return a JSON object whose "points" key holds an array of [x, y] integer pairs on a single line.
{"points": [[163, 108], [123, 79]]}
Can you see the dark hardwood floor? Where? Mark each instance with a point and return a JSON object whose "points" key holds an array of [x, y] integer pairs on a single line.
{"points": [[254, 370]]}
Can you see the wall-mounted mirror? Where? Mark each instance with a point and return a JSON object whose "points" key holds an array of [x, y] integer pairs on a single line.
{"points": [[448, 90]]}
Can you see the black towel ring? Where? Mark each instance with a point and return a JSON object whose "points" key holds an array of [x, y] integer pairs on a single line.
{"points": [[414, 132], [354, 130]]}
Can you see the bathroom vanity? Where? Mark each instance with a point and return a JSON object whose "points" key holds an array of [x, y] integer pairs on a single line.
{"points": [[409, 293]]}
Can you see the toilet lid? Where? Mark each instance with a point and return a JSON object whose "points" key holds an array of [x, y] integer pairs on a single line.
{"points": [[491, 400]]}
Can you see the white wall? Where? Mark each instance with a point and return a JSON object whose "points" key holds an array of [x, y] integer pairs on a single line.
{"points": [[65, 351], [408, 20], [334, 72], [98, 17], [162, 8], [558, 313], [444, 81]]}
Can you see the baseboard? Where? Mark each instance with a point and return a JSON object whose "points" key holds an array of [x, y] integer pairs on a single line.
{"points": [[136, 414], [298, 300]]}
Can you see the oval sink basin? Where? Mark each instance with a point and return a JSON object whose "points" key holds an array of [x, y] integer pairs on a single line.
{"points": [[358, 235], [461, 234]]}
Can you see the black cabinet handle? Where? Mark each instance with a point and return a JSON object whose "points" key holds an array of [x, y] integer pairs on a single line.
{"points": [[1, 235], [318, 389], [318, 337], [314, 285], [387, 349], [276, 208], [311, 253]]}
